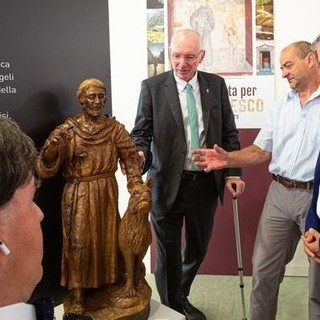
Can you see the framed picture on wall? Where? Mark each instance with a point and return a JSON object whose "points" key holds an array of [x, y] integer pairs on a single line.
{"points": [[225, 28]]}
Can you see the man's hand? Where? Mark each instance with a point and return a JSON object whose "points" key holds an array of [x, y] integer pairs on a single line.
{"points": [[210, 159], [142, 160], [236, 182], [311, 244]]}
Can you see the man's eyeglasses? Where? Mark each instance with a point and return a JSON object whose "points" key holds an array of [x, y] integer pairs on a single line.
{"points": [[187, 57]]}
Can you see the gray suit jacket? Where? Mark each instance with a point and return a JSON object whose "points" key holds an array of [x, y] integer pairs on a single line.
{"points": [[160, 134]]}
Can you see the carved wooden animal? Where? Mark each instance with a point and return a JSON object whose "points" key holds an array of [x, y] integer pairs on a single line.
{"points": [[135, 235]]}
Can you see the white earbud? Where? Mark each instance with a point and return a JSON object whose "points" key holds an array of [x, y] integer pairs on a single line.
{"points": [[4, 249]]}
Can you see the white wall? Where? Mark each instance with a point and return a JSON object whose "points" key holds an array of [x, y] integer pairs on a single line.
{"points": [[128, 55], [294, 20]]}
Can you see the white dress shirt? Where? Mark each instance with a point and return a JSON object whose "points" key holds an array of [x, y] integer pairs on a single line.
{"points": [[18, 311], [181, 84]]}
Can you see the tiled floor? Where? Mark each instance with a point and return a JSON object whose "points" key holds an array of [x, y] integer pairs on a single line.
{"points": [[219, 297]]}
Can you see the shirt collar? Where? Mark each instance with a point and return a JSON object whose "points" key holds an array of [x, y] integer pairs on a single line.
{"points": [[181, 84], [293, 93], [18, 311], [315, 94]]}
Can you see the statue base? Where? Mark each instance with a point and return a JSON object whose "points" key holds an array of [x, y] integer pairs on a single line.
{"points": [[111, 303]]}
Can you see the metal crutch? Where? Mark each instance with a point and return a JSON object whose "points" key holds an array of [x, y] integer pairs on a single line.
{"points": [[239, 255]]}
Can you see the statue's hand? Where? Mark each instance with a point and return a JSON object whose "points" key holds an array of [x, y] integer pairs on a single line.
{"points": [[51, 149]]}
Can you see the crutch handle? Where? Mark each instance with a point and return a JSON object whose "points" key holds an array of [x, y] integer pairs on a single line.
{"points": [[234, 187]]}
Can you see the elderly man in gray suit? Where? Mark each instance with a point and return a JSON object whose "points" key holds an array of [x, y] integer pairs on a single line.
{"points": [[183, 193]]}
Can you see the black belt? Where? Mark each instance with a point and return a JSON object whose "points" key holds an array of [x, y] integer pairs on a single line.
{"points": [[193, 175], [293, 184]]}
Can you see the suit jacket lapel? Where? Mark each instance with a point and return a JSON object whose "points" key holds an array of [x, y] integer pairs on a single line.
{"points": [[173, 99], [206, 100]]}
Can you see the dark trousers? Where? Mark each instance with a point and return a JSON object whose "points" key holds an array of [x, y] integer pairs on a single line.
{"points": [[194, 207]]}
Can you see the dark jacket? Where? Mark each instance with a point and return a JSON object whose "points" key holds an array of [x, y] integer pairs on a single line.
{"points": [[313, 220], [159, 132]]}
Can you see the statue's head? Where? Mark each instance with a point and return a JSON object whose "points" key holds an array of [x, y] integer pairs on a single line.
{"points": [[91, 95]]}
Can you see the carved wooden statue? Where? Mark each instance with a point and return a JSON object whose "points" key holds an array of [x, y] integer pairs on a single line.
{"points": [[87, 148], [135, 236]]}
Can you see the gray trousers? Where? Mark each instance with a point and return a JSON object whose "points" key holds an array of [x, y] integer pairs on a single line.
{"points": [[281, 224]]}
